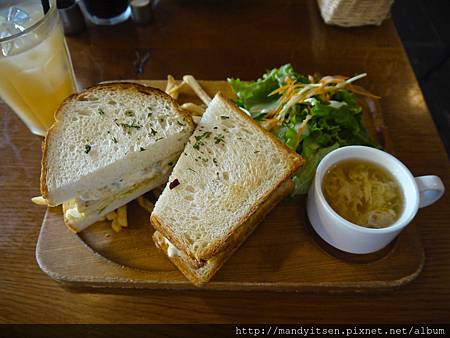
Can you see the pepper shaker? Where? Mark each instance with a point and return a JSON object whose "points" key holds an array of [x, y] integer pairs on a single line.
{"points": [[141, 11]]}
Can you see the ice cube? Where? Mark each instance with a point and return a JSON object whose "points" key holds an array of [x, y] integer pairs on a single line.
{"points": [[17, 19]]}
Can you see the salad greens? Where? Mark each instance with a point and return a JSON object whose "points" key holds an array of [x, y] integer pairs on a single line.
{"points": [[312, 115]]}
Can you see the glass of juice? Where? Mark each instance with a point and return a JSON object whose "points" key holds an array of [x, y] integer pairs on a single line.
{"points": [[36, 72]]}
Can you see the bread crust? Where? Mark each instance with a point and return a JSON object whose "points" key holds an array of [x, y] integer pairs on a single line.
{"points": [[158, 225], [183, 263], [192, 273], [294, 160], [112, 86]]}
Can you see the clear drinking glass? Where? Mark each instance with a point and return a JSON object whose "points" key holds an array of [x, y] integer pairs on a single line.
{"points": [[36, 72]]}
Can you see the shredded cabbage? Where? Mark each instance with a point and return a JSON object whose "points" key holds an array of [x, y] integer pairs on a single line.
{"points": [[363, 193]]}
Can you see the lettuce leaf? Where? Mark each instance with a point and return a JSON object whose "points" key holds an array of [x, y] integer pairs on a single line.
{"points": [[254, 95], [305, 176]]}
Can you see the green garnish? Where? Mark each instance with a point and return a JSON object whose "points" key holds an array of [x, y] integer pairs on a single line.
{"points": [[219, 138], [129, 113], [256, 151], [206, 134], [199, 139], [180, 124], [87, 148], [100, 111], [127, 125], [141, 149], [223, 117], [159, 138], [153, 132], [192, 170], [149, 115], [114, 139], [215, 161]]}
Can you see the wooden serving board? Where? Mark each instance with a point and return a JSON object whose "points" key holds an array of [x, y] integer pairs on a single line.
{"points": [[283, 254]]}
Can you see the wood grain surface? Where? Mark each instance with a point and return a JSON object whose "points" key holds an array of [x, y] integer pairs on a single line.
{"points": [[215, 40], [282, 255]]}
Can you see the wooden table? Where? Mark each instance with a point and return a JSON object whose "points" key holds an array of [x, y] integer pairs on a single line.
{"points": [[214, 40]]}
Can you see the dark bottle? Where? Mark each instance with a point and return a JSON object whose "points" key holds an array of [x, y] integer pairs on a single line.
{"points": [[106, 12]]}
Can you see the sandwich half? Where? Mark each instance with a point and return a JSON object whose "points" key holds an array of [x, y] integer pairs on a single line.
{"points": [[231, 174], [200, 274], [109, 145]]}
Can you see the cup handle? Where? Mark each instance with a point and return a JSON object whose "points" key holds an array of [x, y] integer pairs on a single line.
{"points": [[430, 188]]}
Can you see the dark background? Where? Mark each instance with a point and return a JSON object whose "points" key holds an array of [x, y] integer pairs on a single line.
{"points": [[424, 28]]}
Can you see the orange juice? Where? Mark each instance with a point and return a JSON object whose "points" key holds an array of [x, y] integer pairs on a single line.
{"points": [[36, 75]]}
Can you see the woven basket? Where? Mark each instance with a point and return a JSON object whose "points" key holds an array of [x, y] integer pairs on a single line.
{"points": [[351, 13]]}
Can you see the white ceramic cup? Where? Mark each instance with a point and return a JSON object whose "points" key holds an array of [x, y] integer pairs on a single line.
{"points": [[335, 230]]}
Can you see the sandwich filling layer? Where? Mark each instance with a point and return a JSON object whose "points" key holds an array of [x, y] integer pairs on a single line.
{"points": [[154, 170], [77, 210]]}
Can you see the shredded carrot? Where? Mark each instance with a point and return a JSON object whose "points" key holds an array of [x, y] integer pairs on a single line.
{"points": [[269, 124], [332, 79], [295, 92], [361, 91]]}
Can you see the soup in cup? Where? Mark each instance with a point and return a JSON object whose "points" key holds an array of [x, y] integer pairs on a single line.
{"points": [[362, 198]]}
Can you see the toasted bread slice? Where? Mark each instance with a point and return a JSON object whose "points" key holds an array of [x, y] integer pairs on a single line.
{"points": [[109, 137], [203, 274], [229, 167]]}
